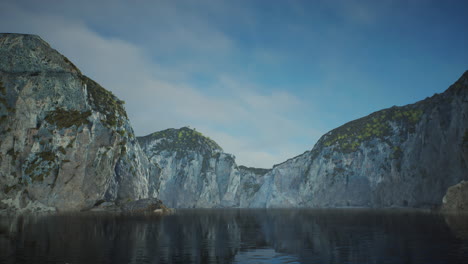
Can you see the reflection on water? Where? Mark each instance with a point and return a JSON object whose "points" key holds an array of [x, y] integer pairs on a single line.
{"points": [[237, 236], [264, 256]]}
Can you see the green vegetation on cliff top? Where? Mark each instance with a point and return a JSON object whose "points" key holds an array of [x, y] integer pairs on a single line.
{"points": [[350, 136], [386, 123], [106, 103], [182, 139]]}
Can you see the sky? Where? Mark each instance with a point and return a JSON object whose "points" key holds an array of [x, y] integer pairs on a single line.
{"points": [[264, 79]]}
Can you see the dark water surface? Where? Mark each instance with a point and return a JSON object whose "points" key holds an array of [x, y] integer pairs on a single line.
{"points": [[237, 236]]}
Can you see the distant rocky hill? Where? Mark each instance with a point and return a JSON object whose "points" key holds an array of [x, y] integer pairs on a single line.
{"points": [[195, 172], [66, 142]]}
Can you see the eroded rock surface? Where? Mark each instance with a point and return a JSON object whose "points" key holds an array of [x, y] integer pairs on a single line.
{"points": [[195, 172], [397, 157], [66, 142]]}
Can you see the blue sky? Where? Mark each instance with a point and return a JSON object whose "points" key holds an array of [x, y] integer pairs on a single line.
{"points": [[265, 79]]}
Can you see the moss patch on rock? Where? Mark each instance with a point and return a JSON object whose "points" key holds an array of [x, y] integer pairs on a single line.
{"points": [[397, 153], [71, 64], [12, 153], [66, 118], [14, 156], [3, 119], [3, 100], [41, 165], [62, 150], [46, 155], [376, 125], [7, 189], [106, 103], [2, 89], [4, 104]]}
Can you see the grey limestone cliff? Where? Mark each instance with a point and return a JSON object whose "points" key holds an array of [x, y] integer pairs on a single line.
{"points": [[250, 182], [397, 157], [195, 172], [66, 142]]}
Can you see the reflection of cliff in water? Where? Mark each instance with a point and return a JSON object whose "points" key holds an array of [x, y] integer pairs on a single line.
{"points": [[118, 239], [216, 236], [362, 236]]}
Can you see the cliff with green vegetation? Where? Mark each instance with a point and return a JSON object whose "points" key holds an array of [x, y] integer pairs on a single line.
{"points": [[195, 172], [181, 140], [66, 143], [397, 157]]}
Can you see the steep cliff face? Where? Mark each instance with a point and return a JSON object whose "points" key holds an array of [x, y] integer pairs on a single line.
{"points": [[250, 182], [398, 157], [194, 170], [401, 156], [66, 142]]}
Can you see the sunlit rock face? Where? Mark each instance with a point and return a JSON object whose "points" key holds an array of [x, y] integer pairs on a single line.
{"points": [[401, 156], [66, 142], [195, 172]]}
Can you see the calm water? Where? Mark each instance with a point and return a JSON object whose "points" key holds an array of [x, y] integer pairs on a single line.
{"points": [[237, 236]]}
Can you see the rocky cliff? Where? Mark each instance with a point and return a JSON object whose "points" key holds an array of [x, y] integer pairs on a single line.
{"points": [[401, 156], [397, 157], [251, 179], [66, 142], [195, 172]]}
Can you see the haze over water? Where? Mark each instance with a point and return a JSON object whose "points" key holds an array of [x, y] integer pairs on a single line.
{"points": [[237, 236]]}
